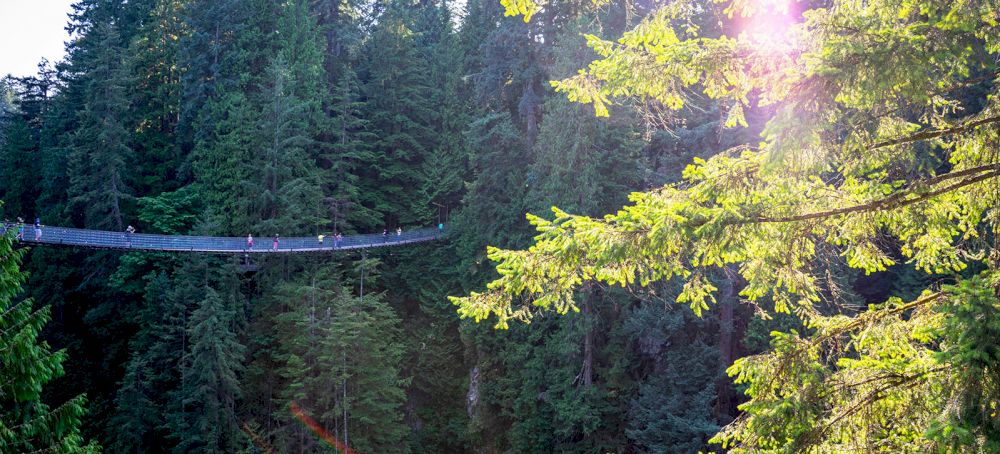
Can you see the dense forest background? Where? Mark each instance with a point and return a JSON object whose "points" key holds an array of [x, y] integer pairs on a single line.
{"points": [[301, 117]]}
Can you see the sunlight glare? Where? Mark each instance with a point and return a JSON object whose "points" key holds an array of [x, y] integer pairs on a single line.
{"points": [[770, 28]]}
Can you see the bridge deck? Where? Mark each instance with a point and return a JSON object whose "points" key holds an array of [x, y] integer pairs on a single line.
{"points": [[231, 245]]}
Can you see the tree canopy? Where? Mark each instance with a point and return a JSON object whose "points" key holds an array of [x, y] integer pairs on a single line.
{"points": [[880, 147]]}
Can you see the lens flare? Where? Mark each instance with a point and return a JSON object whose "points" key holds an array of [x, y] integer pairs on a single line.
{"points": [[318, 430], [770, 27]]}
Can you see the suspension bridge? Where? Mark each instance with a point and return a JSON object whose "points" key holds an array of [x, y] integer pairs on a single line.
{"points": [[102, 239]]}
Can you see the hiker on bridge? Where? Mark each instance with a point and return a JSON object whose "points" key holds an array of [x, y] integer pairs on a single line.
{"points": [[38, 229], [385, 235], [399, 231], [275, 246], [337, 239], [20, 229], [320, 239], [128, 235], [249, 241]]}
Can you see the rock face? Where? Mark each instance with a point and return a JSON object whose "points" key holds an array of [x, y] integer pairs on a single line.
{"points": [[472, 398]]}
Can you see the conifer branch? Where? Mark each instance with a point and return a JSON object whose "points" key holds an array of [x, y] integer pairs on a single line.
{"points": [[935, 133], [897, 200]]}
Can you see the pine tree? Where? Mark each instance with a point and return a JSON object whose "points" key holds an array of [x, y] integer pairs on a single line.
{"points": [[155, 95], [153, 373], [342, 356], [98, 173], [18, 163], [446, 161], [291, 197], [842, 165], [26, 423], [211, 384], [348, 144], [672, 410], [401, 113]]}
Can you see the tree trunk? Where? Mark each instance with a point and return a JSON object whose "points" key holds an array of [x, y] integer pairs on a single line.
{"points": [[588, 340], [726, 400]]}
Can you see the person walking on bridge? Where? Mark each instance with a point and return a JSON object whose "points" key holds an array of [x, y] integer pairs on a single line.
{"points": [[399, 232], [20, 229], [385, 235], [249, 241], [275, 246], [38, 229], [128, 235]]}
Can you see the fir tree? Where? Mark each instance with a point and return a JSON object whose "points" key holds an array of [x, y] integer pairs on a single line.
{"points": [[98, 173], [401, 114], [210, 375], [342, 356], [348, 147], [27, 424]]}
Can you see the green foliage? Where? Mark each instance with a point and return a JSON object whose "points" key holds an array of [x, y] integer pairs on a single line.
{"points": [[210, 382], [341, 360], [350, 147], [26, 422], [16, 160], [969, 336], [672, 409], [873, 133], [401, 112], [921, 364], [170, 212], [98, 162]]}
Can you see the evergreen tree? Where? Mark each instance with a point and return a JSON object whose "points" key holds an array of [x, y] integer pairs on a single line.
{"points": [[27, 424], [155, 97], [98, 173], [211, 385], [342, 356], [18, 163], [153, 371], [401, 114], [349, 147], [291, 194], [672, 410], [842, 164]]}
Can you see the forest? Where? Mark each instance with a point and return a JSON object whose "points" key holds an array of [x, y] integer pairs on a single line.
{"points": [[672, 226]]}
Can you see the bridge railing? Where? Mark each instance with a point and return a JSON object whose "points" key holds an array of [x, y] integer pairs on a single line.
{"points": [[156, 242]]}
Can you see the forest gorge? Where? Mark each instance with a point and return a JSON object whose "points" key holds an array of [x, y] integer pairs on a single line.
{"points": [[801, 254]]}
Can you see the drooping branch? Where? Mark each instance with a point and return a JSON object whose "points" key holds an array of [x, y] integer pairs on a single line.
{"points": [[896, 200], [875, 395], [935, 133]]}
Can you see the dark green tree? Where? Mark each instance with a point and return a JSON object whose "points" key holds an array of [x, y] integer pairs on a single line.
{"points": [[100, 158], [27, 423], [342, 356], [401, 112], [210, 378]]}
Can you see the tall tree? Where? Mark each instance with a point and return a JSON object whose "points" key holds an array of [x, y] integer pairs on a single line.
{"points": [[211, 385], [342, 356], [348, 144], [27, 423], [155, 97], [98, 172], [401, 113], [842, 163]]}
